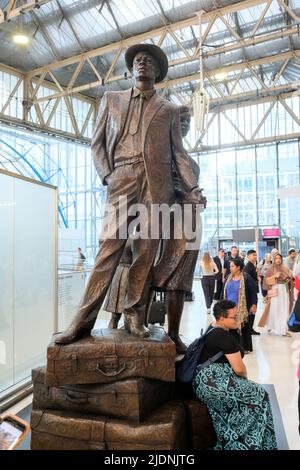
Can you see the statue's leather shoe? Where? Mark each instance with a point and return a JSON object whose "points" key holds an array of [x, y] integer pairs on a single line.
{"points": [[113, 323], [71, 335], [180, 346], [134, 326]]}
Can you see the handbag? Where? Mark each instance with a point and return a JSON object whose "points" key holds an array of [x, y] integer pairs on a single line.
{"points": [[293, 323], [157, 312], [272, 280], [272, 293], [297, 283]]}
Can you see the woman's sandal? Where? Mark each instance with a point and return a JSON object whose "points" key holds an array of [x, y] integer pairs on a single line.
{"points": [[288, 334]]}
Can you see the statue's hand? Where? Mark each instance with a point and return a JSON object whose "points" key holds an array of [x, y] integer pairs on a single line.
{"points": [[196, 197]]}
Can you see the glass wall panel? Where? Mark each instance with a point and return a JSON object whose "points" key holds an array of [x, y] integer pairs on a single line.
{"points": [[27, 276], [208, 181], [227, 189], [246, 188], [267, 186], [288, 163], [6, 282]]}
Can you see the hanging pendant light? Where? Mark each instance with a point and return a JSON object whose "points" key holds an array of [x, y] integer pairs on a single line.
{"points": [[20, 38], [200, 98], [20, 35]]}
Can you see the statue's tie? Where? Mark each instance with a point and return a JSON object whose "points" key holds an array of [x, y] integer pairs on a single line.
{"points": [[134, 125]]}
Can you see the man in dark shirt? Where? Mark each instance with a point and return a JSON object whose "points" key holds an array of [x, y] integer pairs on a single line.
{"points": [[224, 268], [234, 254], [250, 269]]}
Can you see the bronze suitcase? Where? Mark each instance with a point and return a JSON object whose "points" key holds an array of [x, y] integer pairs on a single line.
{"points": [[200, 430], [62, 430], [130, 399], [111, 355]]}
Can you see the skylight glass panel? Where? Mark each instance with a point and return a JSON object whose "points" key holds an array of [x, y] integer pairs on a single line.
{"points": [[130, 11]]}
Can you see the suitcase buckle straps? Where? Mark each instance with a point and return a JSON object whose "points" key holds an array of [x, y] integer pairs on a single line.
{"points": [[79, 399], [111, 366]]}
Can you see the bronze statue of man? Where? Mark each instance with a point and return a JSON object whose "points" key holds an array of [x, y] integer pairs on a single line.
{"points": [[136, 139], [174, 271]]}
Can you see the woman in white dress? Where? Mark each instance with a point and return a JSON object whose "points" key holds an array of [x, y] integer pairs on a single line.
{"points": [[279, 281]]}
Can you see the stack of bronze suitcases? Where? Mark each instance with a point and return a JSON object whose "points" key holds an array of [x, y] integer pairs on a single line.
{"points": [[115, 391]]}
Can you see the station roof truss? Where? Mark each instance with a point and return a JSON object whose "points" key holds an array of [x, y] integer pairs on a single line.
{"points": [[77, 50]]}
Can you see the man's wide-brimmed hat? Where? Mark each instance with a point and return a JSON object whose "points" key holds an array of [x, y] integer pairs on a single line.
{"points": [[155, 51]]}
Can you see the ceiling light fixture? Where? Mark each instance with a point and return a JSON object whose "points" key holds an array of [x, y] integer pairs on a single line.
{"points": [[221, 76], [20, 38], [200, 98]]}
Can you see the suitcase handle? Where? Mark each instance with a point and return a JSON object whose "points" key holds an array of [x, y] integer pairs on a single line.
{"points": [[112, 373], [74, 399]]}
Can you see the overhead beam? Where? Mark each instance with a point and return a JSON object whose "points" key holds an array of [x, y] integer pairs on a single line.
{"points": [[46, 128], [206, 17], [217, 102], [249, 143], [260, 19], [233, 68], [289, 10], [45, 35], [11, 70], [238, 67], [10, 12], [67, 19], [185, 59]]}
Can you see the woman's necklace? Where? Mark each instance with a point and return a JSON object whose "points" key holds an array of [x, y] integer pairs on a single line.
{"points": [[236, 278]]}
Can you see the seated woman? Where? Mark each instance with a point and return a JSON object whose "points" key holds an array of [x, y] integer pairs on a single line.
{"points": [[239, 408]]}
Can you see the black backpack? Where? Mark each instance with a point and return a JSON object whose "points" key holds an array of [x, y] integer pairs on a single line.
{"points": [[186, 368], [294, 320]]}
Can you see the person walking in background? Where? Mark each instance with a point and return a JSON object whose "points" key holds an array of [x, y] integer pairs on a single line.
{"points": [[223, 267], [242, 256], [296, 269], [251, 269], [296, 275], [234, 254], [208, 270], [280, 294], [290, 260], [262, 268], [240, 408], [241, 289], [80, 260]]}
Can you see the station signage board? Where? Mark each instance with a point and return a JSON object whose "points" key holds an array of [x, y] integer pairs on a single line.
{"points": [[271, 233]]}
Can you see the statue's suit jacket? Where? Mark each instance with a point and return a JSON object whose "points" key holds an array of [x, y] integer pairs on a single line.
{"points": [[161, 143]]}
